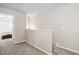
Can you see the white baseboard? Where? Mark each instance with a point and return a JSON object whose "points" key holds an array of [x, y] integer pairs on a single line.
{"points": [[39, 48], [18, 42], [34, 46], [71, 50]]}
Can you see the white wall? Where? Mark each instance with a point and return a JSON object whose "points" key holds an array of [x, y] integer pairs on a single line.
{"points": [[19, 19], [41, 39], [64, 21]]}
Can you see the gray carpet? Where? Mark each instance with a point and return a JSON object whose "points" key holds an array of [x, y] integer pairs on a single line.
{"points": [[60, 51], [8, 48]]}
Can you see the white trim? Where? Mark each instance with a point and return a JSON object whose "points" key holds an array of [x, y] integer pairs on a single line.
{"points": [[39, 48], [13, 30], [35, 47], [69, 49], [18, 42]]}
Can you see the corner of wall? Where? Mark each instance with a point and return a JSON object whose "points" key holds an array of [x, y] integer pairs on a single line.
{"points": [[66, 48]]}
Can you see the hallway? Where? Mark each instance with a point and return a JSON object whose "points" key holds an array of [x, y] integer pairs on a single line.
{"points": [[43, 26]]}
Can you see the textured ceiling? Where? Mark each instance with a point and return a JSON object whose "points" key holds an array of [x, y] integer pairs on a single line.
{"points": [[32, 8]]}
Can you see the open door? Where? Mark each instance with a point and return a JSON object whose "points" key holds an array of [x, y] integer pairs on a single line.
{"points": [[7, 27]]}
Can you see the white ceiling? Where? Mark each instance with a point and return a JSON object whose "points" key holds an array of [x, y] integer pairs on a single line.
{"points": [[32, 8]]}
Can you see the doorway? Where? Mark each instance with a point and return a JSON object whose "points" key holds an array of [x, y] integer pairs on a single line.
{"points": [[7, 28]]}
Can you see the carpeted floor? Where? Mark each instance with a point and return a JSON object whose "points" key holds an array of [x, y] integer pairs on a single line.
{"points": [[60, 51], [8, 48]]}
